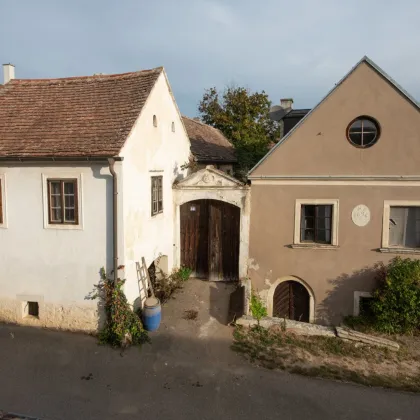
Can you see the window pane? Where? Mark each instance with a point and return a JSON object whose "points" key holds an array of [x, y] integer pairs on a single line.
{"points": [[323, 223], [308, 210], [69, 201], [368, 138], [324, 211], [55, 187], [397, 221], [356, 126], [307, 235], [309, 223], [56, 215], [369, 126], [412, 228], [356, 138], [69, 187], [56, 201], [70, 215], [323, 236]]}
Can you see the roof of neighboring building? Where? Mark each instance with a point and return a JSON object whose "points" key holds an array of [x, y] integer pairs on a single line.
{"points": [[208, 144], [71, 117], [277, 113]]}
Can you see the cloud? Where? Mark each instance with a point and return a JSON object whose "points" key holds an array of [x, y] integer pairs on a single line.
{"points": [[286, 48]]}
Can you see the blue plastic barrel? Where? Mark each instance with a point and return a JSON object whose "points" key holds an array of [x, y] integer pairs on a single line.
{"points": [[152, 314]]}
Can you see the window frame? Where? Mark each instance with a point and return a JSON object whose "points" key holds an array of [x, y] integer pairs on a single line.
{"points": [[152, 200], [3, 208], [297, 243], [62, 181], [65, 176], [369, 145], [386, 247]]}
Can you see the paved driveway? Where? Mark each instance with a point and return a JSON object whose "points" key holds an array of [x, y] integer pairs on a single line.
{"points": [[188, 372]]}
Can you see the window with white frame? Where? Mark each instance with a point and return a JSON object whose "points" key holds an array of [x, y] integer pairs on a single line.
{"points": [[404, 227], [316, 222], [157, 196], [62, 201]]}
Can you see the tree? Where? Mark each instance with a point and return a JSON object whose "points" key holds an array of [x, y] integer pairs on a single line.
{"points": [[243, 117]]}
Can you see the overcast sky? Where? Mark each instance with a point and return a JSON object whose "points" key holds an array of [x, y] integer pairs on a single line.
{"points": [[296, 49]]}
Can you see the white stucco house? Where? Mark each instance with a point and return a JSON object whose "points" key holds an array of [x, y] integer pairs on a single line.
{"points": [[67, 148]]}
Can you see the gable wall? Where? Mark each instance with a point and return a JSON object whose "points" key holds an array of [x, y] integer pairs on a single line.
{"points": [[151, 151], [319, 145]]}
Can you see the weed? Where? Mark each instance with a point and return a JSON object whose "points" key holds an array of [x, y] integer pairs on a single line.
{"points": [[190, 314]]}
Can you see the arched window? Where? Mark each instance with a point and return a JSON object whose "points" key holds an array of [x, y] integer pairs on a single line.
{"points": [[173, 127], [154, 121]]}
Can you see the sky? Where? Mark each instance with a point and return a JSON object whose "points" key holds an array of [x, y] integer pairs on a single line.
{"points": [[288, 49]]}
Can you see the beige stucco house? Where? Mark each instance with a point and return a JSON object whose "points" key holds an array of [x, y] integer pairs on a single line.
{"points": [[339, 193]]}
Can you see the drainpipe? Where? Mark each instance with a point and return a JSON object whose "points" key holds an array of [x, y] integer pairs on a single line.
{"points": [[111, 162]]}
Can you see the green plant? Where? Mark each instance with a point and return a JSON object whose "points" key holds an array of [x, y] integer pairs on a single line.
{"points": [[122, 326], [257, 307], [164, 286], [243, 117], [396, 304]]}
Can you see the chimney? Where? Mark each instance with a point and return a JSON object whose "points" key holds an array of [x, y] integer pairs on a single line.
{"points": [[8, 72], [286, 103]]}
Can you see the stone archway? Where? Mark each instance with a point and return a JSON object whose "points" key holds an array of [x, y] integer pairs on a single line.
{"points": [[292, 298], [212, 184]]}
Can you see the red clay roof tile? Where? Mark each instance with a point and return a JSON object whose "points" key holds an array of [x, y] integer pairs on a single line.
{"points": [[208, 144], [72, 117]]}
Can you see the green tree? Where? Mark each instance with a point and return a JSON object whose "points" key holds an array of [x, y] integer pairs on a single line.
{"points": [[243, 117]]}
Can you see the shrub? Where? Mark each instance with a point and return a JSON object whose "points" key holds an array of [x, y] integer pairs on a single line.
{"points": [[396, 304], [257, 307], [122, 326], [164, 286]]}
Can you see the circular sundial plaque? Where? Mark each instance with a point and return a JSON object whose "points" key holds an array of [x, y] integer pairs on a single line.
{"points": [[360, 215]]}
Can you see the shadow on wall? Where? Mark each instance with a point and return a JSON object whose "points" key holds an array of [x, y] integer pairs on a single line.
{"points": [[226, 301], [339, 300]]}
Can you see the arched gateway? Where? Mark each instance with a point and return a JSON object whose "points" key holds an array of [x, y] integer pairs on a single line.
{"points": [[212, 233]]}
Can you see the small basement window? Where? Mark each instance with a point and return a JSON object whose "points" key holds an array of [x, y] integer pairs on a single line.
{"points": [[362, 303], [32, 309]]}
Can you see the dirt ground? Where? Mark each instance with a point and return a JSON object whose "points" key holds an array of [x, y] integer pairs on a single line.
{"points": [[331, 357], [199, 310]]}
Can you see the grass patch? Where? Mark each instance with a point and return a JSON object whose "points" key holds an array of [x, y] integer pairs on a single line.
{"points": [[329, 357]]}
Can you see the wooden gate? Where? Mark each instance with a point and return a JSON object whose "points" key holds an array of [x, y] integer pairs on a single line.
{"points": [[291, 301], [210, 232]]}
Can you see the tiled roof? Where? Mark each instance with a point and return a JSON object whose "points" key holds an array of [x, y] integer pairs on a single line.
{"points": [[71, 117], [208, 144]]}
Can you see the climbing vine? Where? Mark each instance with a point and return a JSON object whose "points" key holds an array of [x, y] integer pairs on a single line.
{"points": [[123, 327]]}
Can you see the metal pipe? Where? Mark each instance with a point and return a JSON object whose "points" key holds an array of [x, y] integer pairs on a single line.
{"points": [[111, 162]]}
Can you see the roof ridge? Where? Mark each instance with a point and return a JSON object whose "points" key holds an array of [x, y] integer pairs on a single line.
{"points": [[198, 122], [93, 76]]}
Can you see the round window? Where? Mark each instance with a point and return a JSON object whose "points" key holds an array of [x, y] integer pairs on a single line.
{"points": [[363, 132]]}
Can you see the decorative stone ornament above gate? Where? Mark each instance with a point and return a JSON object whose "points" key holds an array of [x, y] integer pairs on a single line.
{"points": [[209, 178]]}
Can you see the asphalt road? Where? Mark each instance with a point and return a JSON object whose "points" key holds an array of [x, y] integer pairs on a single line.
{"points": [[54, 375]]}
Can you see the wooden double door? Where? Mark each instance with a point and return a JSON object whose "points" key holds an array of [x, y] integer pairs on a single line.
{"points": [[210, 235], [291, 301]]}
